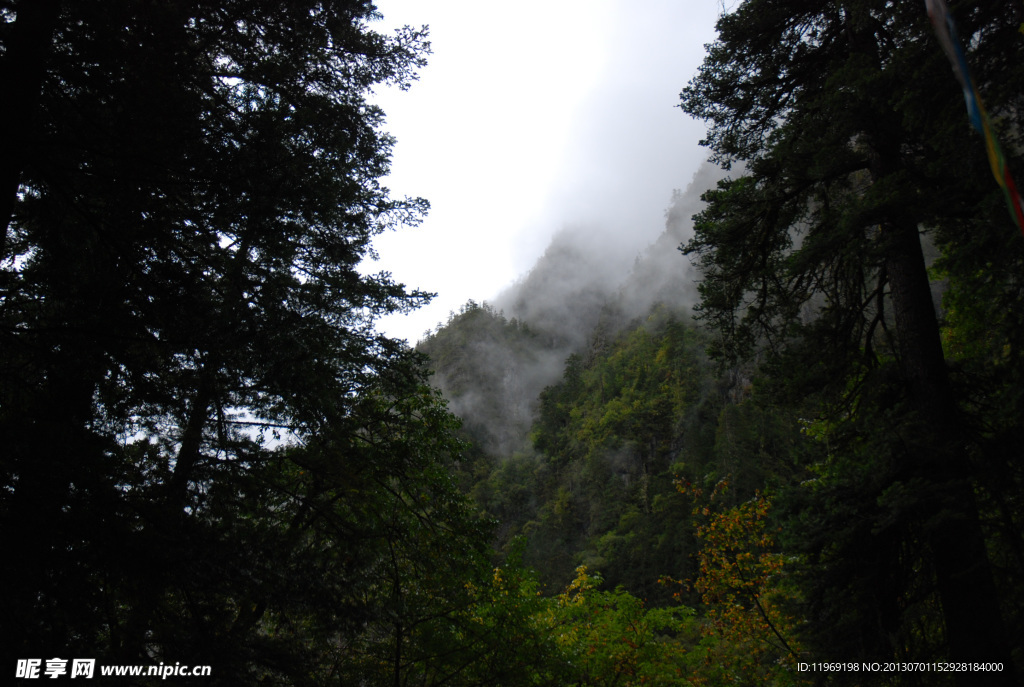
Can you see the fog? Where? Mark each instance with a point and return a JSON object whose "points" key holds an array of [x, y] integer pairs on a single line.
{"points": [[492, 363], [587, 274], [534, 119]]}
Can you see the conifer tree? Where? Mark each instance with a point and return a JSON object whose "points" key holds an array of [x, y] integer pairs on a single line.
{"points": [[209, 453], [854, 142]]}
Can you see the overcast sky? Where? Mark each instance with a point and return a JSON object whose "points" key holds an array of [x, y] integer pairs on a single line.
{"points": [[531, 116]]}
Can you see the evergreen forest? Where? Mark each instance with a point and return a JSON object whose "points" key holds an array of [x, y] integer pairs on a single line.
{"points": [[786, 447]]}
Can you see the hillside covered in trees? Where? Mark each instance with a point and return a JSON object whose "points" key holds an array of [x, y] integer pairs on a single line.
{"points": [[842, 474], [790, 455]]}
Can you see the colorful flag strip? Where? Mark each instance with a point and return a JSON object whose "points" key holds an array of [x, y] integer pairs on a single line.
{"points": [[945, 29]]}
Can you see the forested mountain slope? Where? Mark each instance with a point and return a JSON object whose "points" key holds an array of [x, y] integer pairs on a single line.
{"points": [[633, 457], [588, 405], [493, 360], [843, 480]]}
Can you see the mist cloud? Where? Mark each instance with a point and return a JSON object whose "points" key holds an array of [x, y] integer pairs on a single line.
{"points": [[493, 362]]}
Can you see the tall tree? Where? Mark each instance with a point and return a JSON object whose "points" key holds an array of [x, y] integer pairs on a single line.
{"points": [[188, 194], [854, 140]]}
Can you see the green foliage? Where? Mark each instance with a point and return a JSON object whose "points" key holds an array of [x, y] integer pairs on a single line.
{"points": [[611, 638], [747, 592], [581, 636], [210, 455], [624, 422], [982, 339], [490, 370], [405, 538], [611, 434], [853, 139], [630, 396], [510, 619]]}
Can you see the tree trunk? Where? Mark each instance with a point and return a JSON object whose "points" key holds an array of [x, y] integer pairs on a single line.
{"points": [[970, 606]]}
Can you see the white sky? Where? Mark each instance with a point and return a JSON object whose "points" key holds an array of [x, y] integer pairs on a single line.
{"points": [[532, 115]]}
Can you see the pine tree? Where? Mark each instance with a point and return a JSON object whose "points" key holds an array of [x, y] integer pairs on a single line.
{"points": [[205, 438], [853, 139]]}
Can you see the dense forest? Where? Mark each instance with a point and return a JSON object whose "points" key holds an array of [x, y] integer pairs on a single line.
{"points": [[789, 453]]}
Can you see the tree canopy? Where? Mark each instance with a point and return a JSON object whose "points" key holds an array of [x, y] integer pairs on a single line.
{"points": [[210, 454], [854, 151]]}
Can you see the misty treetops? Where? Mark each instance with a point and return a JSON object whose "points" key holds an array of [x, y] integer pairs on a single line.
{"points": [[212, 457]]}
